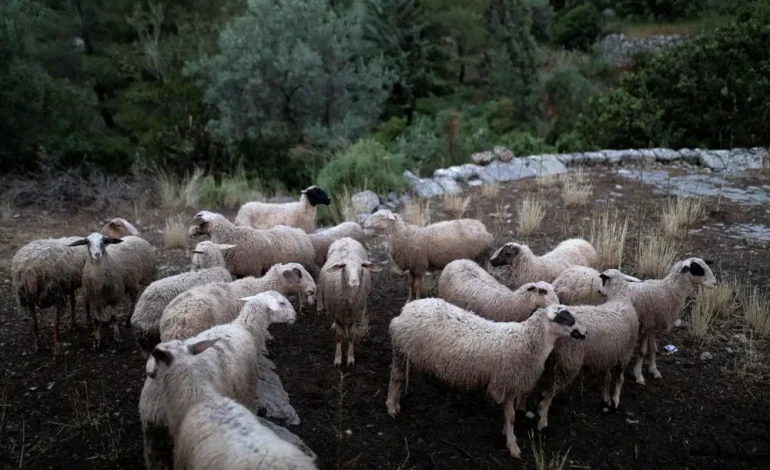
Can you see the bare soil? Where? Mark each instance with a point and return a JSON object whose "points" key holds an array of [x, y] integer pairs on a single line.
{"points": [[81, 411]]}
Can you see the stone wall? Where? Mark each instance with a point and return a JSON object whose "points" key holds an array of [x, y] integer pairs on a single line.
{"points": [[619, 49]]}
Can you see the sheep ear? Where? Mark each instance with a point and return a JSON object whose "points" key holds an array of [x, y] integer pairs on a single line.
{"points": [[336, 267], [371, 266], [82, 241], [199, 218], [201, 346], [131, 229], [685, 269], [391, 216], [112, 241], [542, 291], [531, 288], [225, 247], [297, 272], [708, 262], [291, 276], [604, 278], [696, 269], [161, 355], [272, 304], [513, 250]]}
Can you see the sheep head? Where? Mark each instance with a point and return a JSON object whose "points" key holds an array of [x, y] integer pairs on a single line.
{"points": [[97, 245], [299, 279], [541, 294], [272, 303], [614, 283], [316, 196], [699, 272], [353, 271], [506, 254], [201, 223], [119, 228], [561, 322], [165, 354], [381, 221]]}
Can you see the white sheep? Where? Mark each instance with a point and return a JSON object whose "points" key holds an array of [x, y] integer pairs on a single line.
{"points": [[467, 285], [468, 351], [614, 331], [580, 285], [208, 267], [256, 250], [123, 269], [323, 238], [527, 267], [343, 286], [119, 228], [301, 214], [659, 302], [231, 366], [205, 306], [420, 249]]}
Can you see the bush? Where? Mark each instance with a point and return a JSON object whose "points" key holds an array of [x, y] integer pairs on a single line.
{"points": [[571, 142], [542, 17], [758, 11], [366, 164], [578, 27], [523, 144]]}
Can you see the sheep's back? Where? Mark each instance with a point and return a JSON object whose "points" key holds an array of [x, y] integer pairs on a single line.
{"points": [[578, 285], [468, 286], [135, 258], [197, 310], [575, 251], [455, 239], [45, 271]]}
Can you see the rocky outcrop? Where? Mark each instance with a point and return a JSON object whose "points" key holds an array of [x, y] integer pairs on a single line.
{"points": [[619, 49]]}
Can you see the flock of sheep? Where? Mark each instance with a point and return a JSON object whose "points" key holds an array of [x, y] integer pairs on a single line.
{"points": [[202, 331]]}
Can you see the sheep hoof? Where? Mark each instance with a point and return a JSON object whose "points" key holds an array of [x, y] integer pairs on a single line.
{"points": [[393, 409], [544, 431], [656, 374], [351, 362], [640, 381], [608, 407], [337, 362], [516, 453]]}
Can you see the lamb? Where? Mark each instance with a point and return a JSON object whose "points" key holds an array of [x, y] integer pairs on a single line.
{"points": [[208, 267], [205, 306], [467, 285], [322, 239], [229, 369], [659, 302], [119, 228], [126, 268], [526, 267], [343, 285], [580, 285], [614, 328], [469, 351], [256, 250], [419, 249], [301, 214]]}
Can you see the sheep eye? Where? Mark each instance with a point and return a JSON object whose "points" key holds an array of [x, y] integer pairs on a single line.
{"points": [[541, 291]]}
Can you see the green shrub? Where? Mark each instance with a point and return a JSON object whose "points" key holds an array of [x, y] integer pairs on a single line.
{"points": [[230, 191], [366, 164], [617, 120], [523, 144], [571, 142], [578, 27], [758, 11], [542, 17]]}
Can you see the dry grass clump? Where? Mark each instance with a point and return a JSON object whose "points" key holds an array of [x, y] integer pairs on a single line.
{"points": [[557, 461], [710, 305], [680, 214], [6, 207], [175, 233], [548, 180], [608, 236], [575, 193], [341, 209], [178, 194], [417, 212], [490, 191], [655, 254], [531, 214], [456, 205], [756, 309]]}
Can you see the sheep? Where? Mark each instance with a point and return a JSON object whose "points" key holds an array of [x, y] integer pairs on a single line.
{"points": [[256, 250], [580, 285], [467, 285], [614, 328], [126, 268], [322, 239], [419, 249], [526, 267], [301, 214], [659, 302], [119, 228], [343, 285], [229, 369], [208, 267], [205, 306], [469, 351]]}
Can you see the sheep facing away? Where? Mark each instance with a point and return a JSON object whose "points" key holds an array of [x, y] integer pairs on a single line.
{"points": [[417, 250], [467, 285], [580, 285], [208, 267], [231, 366], [614, 331], [300, 214], [323, 239], [659, 302], [468, 351], [119, 228], [527, 267]]}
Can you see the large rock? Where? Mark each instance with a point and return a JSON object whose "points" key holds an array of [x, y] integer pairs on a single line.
{"points": [[423, 187], [449, 185], [545, 165], [271, 395], [289, 437], [365, 202], [731, 161], [514, 170]]}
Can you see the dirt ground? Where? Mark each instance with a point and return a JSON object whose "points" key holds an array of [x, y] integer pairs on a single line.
{"points": [[82, 410]]}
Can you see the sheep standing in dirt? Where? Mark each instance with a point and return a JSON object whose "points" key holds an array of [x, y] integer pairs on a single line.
{"points": [[468, 351], [614, 328], [232, 368], [467, 285], [256, 250], [580, 285], [323, 239], [205, 306], [417, 250], [208, 267], [659, 302], [526, 267], [301, 214], [109, 275], [343, 286]]}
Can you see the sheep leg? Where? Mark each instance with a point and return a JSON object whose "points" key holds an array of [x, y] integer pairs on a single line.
{"points": [[132, 305], [97, 341], [35, 328], [417, 287], [116, 329], [653, 347], [56, 320], [640, 360], [73, 322], [338, 351], [521, 403], [545, 405], [411, 286], [606, 403], [618, 371], [319, 303], [396, 385], [351, 357], [510, 420], [88, 312]]}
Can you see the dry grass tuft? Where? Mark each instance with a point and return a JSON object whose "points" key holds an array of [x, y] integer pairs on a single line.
{"points": [[756, 309], [417, 211], [575, 192], [680, 214], [6, 208], [710, 305], [175, 234], [176, 194], [490, 191], [341, 208], [608, 236], [531, 214], [749, 362], [548, 180], [655, 254], [557, 461], [456, 205]]}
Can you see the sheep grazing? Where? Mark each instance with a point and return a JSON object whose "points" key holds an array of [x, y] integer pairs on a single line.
{"points": [[580, 285], [659, 302], [300, 214], [205, 306], [468, 351], [208, 267], [119, 228], [526, 267], [323, 239], [614, 328], [126, 268], [231, 367], [343, 285], [256, 250], [419, 249], [467, 285]]}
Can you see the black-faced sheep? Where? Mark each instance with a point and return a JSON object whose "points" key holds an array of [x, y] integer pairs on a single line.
{"points": [[300, 214], [527, 267]]}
